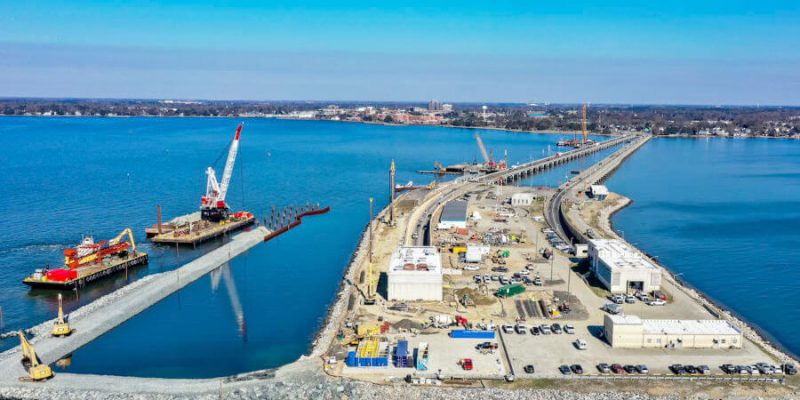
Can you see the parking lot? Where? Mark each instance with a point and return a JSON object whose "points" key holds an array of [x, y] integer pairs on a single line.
{"points": [[548, 352]]}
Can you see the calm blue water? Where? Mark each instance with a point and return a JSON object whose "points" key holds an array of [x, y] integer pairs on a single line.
{"points": [[65, 177], [726, 215]]}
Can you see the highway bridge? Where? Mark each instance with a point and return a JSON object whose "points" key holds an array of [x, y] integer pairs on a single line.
{"points": [[418, 228], [553, 213]]}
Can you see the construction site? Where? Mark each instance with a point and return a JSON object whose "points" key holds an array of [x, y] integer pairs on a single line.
{"points": [[477, 279]]}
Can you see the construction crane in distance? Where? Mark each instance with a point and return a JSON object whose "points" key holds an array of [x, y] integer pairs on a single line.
{"points": [[490, 164], [212, 205], [61, 326], [583, 125], [36, 370]]}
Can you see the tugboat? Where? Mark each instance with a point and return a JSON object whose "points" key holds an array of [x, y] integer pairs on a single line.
{"points": [[89, 261]]}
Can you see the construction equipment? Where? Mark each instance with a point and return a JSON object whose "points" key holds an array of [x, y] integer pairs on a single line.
{"points": [[212, 205], [489, 164], [61, 326], [371, 282], [583, 125], [36, 371], [89, 252]]}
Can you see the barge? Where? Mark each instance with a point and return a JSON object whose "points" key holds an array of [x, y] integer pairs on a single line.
{"points": [[193, 229], [215, 217], [89, 261]]}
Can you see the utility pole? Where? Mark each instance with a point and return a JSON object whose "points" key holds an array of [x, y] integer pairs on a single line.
{"points": [[391, 189]]}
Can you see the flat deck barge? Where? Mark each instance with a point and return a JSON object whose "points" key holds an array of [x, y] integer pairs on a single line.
{"points": [[89, 273], [197, 231]]}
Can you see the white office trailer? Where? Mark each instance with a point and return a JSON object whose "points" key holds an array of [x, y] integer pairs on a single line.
{"points": [[454, 215], [415, 273], [475, 254], [630, 331], [522, 199], [599, 192], [621, 268]]}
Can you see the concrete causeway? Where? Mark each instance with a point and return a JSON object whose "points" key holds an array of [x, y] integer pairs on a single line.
{"points": [[111, 310]]}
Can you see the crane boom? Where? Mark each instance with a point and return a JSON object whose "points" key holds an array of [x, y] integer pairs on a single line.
{"points": [[228, 172], [212, 205], [583, 124], [485, 155]]}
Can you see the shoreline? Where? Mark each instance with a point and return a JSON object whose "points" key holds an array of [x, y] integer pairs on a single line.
{"points": [[488, 128], [758, 335]]}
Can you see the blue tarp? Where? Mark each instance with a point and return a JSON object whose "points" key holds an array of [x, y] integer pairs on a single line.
{"points": [[467, 334]]}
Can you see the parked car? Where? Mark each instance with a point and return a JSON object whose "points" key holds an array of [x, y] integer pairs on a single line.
{"points": [[521, 329], [703, 369], [659, 295], [630, 369], [466, 364], [545, 329], [576, 368], [617, 298], [728, 368], [690, 369], [642, 369], [617, 369], [524, 272], [568, 328], [630, 299], [604, 368], [565, 369], [472, 267], [580, 344], [557, 329], [789, 369], [677, 369], [535, 331], [612, 308], [643, 296], [538, 281], [656, 302], [508, 329], [529, 369]]}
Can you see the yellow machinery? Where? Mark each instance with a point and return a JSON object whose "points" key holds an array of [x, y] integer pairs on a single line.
{"points": [[119, 237], [61, 327], [36, 371], [114, 245]]}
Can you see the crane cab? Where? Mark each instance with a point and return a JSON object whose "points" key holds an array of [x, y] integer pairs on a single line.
{"points": [[40, 372]]}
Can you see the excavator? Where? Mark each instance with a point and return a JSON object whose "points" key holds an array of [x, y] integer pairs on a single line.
{"points": [[36, 371], [61, 326], [89, 251]]}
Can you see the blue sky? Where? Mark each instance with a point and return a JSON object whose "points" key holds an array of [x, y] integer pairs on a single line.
{"points": [[670, 51]]}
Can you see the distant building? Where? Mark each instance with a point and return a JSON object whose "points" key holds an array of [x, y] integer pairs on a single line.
{"points": [[621, 268], [599, 192], [630, 331], [454, 215], [434, 105], [447, 107], [415, 273], [522, 199]]}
